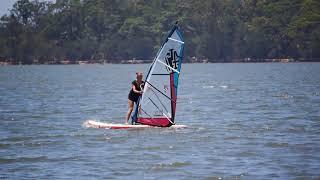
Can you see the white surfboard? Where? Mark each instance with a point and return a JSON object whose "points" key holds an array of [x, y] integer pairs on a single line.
{"points": [[97, 124]]}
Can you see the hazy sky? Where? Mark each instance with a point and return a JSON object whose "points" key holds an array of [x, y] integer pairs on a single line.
{"points": [[5, 5]]}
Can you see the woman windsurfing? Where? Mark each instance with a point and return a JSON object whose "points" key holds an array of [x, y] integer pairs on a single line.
{"points": [[134, 94]]}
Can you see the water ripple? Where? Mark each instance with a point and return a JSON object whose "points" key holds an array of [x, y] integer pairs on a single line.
{"points": [[245, 121]]}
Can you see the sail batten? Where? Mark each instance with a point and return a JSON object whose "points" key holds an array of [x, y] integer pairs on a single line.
{"points": [[168, 66], [176, 40], [157, 106]]}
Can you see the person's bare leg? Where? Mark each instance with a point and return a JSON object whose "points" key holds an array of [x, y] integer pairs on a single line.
{"points": [[130, 105]]}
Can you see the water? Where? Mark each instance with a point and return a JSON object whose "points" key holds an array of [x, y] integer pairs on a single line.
{"points": [[247, 121]]}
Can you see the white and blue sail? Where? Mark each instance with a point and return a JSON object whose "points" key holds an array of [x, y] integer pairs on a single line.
{"points": [[157, 106]]}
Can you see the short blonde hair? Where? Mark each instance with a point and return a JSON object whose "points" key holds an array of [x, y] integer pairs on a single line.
{"points": [[139, 73]]}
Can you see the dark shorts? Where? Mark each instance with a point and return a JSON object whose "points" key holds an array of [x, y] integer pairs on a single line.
{"points": [[133, 97]]}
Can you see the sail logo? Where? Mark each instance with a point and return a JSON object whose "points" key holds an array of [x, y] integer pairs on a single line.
{"points": [[172, 60]]}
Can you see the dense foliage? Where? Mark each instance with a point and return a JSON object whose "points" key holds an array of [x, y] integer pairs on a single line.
{"points": [[218, 30]]}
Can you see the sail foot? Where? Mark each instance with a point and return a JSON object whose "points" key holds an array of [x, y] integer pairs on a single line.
{"points": [[160, 122]]}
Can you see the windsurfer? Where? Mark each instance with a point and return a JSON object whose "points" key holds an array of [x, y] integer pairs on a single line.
{"points": [[134, 94]]}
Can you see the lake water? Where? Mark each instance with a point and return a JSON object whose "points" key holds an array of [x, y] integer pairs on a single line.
{"points": [[247, 121]]}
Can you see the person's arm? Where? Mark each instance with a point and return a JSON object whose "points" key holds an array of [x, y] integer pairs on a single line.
{"points": [[136, 91]]}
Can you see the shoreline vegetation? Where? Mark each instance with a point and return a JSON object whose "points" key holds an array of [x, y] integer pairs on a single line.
{"points": [[131, 31]]}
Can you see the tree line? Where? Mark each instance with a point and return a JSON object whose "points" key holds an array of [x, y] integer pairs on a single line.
{"points": [[113, 30]]}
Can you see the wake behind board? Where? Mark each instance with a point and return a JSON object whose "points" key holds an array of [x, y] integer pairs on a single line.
{"points": [[96, 124]]}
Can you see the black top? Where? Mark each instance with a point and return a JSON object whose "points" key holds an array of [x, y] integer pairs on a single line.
{"points": [[135, 96]]}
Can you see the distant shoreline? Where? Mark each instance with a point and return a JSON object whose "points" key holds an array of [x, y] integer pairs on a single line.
{"points": [[133, 61]]}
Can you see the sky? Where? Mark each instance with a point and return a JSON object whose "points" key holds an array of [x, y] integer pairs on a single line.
{"points": [[5, 5]]}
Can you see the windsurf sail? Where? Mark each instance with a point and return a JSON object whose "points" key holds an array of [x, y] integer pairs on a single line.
{"points": [[157, 106]]}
